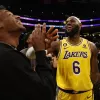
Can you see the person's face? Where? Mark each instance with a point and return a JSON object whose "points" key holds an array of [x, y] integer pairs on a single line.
{"points": [[10, 22], [72, 26]]}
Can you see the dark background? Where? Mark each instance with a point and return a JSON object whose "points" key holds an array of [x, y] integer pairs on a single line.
{"points": [[58, 10]]}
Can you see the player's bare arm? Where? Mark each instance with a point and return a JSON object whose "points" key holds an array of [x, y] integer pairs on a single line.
{"points": [[55, 47], [94, 63]]}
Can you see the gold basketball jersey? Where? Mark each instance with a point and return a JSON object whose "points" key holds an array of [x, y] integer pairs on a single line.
{"points": [[73, 68]]}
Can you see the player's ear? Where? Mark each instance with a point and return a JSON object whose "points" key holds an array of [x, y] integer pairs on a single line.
{"points": [[80, 24]]}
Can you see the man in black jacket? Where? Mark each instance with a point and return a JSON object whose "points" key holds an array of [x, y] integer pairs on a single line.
{"points": [[17, 79]]}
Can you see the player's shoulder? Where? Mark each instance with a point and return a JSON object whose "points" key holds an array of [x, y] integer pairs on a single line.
{"points": [[85, 39], [89, 42], [92, 46]]}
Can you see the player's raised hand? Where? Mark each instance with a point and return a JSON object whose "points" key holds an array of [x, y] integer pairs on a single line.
{"points": [[51, 35]]}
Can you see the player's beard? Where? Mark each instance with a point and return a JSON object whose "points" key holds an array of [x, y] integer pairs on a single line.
{"points": [[73, 32]]}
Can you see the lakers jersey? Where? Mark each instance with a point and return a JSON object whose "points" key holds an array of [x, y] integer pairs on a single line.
{"points": [[73, 68]]}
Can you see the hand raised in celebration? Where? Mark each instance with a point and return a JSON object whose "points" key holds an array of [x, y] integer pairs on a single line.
{"points": [[51, 36], [38, 37], [41, 39]]}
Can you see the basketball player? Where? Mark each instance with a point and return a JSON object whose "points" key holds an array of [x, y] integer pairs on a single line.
{"points": [[77, 68]]}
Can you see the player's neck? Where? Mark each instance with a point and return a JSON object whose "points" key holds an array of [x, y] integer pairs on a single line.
{"points": [[75, 39]]}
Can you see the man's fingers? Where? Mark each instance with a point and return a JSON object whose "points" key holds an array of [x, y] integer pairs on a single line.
{"points": [[55, 37], [44, 28], [38, 29], [50, 30], [39, 26], [54, 32], [33, 33], [51, 39]]}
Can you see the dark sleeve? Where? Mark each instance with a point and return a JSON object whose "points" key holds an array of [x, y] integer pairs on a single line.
{"points": [[20, 79], [44, 70]]}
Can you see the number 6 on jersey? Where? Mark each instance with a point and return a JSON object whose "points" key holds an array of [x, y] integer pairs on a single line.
{"points": [[76, 67]]}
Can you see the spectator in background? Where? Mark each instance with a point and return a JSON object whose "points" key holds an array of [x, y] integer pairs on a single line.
{"points": [[29, 43], [29, 52], [18, 81]]}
